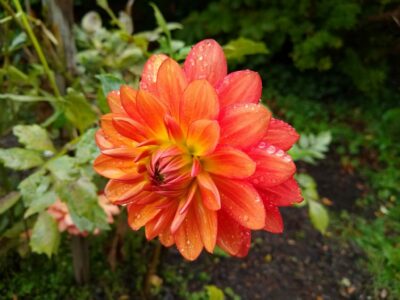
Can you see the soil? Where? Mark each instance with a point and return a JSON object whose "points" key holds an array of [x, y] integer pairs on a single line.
{"points": [[298, 264]]}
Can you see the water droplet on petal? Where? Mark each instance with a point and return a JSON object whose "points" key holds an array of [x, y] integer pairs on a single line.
{"points": [[271, 150], [262, 145]]}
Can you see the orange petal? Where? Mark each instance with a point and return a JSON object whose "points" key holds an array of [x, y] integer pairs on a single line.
{"points": [[180, 215], [232, 237], [208, 191], [188, 238], [162, 223], [244, 125], [240, 87], [174, 130], [166, 238], [203, 137], [114, 102], [116, 168], [128, 100], [148, 81], [281, 134], [229, 162], [152, 112], [130, 128], [284, 194], [139, 215], [120, 192], [171, 82], [200, 101], [206, 60], [274, 166], [101, 140], [207, 223], [111, 135], [273, 219], [242, 202], [122, 152]]}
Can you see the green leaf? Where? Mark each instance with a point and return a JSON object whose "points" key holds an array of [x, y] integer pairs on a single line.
{"points": [[162, 24], [18, 41], [82, 200], [20, 159], [63, 168], [214, 293], [109, 83], [33, 187], [103, 4], [26, 98], [45, 235], [8, 201], [33, 137], [311, 147], [78, 110], [86, 149], [318, 215], [238, 49], [41, 203]]}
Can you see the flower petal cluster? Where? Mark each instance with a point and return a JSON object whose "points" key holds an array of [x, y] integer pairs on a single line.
{"points": [[59, 211], [196, 158]]}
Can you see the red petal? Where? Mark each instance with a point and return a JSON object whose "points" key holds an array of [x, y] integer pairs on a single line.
{"points": [[149, 74], [242, 202], [273, 219], [200, 101], [206, 60], [284, 194], [114, 102], [139, 215], [208, 191], [232, 237], [244, 125], [203, 137], [152, 112], [188, 238], [207, 223], [229, 162], [281, 134], [240, 87], [116, 168], [274, 166], [120, 192], [171, 82]]}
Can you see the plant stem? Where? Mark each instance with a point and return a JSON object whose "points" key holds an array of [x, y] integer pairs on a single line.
{"points": [[38, 49], [80, 256], [155, 260]]}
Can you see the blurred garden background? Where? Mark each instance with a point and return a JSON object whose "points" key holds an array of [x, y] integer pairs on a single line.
{"points": [[330, 68]]}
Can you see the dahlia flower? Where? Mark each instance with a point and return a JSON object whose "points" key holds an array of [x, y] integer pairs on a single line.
{"points": [[59, 211], [196, 158]]}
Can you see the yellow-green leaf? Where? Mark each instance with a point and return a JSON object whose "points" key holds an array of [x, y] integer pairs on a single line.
{"points": [[20, 159], [45, 235], [33, 137]]}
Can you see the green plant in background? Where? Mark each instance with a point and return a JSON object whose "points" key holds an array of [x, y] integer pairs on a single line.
{"points": [[335, 36], [309, 149]]}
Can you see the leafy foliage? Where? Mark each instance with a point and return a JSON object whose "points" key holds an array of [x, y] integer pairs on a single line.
{"points": [[311, 147], [326, 36], [45, 236]]}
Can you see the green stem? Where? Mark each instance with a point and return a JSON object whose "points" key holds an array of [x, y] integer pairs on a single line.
{"points": [[38, 49]]}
